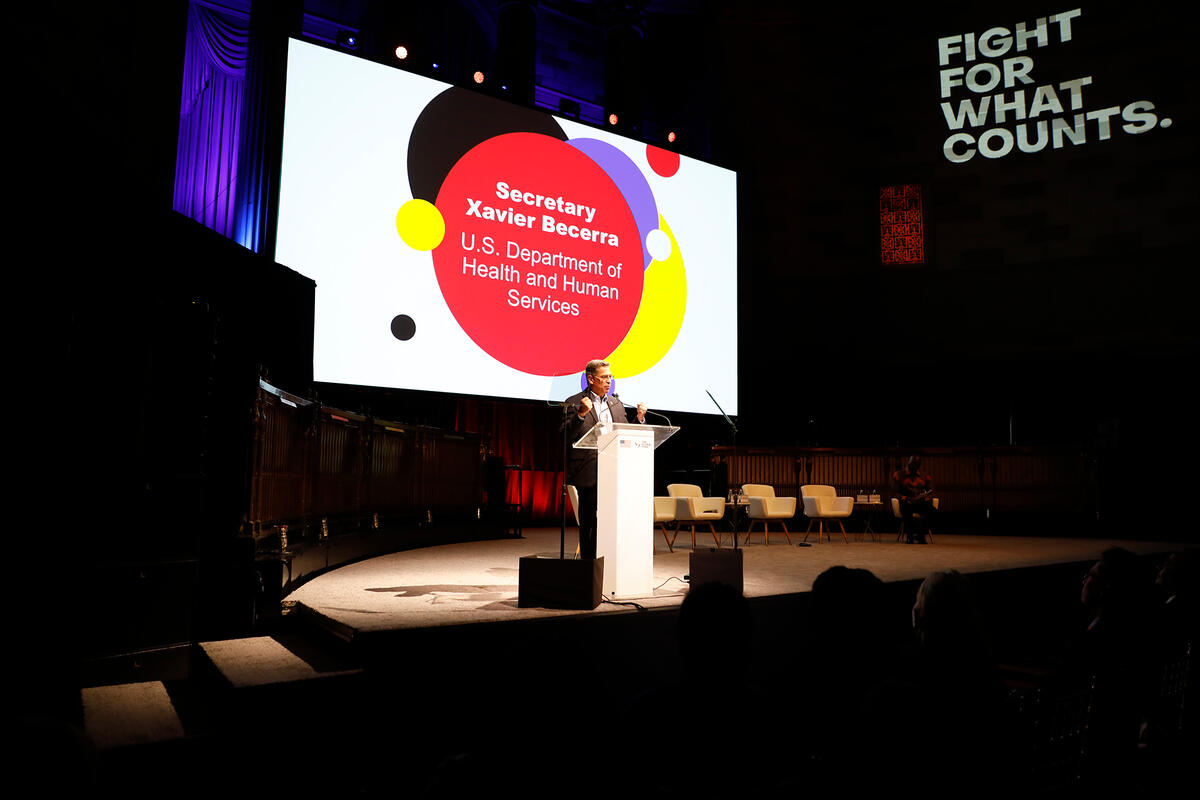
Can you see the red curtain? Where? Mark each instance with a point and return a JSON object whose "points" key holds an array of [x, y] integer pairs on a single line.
{"points": [[526, 435]]}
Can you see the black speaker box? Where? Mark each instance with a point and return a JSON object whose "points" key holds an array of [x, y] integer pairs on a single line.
{"points": [[553, 582], [713, 565]]}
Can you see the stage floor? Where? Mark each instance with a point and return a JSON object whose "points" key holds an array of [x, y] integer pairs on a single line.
{"points": [[476, 582]]}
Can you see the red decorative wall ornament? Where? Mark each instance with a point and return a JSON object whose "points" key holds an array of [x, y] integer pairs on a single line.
{"points": [[901, 225]]}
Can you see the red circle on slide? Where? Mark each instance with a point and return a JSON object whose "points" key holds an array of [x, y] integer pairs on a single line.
{"points": [[476, 261], [663, 162]]}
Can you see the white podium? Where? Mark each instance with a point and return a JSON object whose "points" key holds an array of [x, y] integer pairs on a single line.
{"points": [[625, 503]]}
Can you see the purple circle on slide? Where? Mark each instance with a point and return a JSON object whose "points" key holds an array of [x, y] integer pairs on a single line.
{"points": [[629, 180]]}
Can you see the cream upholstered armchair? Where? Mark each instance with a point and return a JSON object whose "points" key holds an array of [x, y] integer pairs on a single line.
{"points": [[573, 496], [898, 514], [763, 506], [691, 506], [664, 512], [822, 503]]}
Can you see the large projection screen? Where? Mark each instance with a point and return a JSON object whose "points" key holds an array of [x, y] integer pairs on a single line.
{"points": [[467, 245]]}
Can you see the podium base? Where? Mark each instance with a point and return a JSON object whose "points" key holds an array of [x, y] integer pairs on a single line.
{"points": [[719, 566], [552, 582]]}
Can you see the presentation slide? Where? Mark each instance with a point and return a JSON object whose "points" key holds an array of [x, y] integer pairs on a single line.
{"points": [[463, 244]]}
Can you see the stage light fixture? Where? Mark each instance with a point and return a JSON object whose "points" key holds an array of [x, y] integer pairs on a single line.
{"points": [[478, 76], [435, 65], [612, 119], [671, 137], [401, 52], [347, 40]]}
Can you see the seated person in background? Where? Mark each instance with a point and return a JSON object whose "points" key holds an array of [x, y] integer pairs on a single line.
{"points": [[914, 489]]}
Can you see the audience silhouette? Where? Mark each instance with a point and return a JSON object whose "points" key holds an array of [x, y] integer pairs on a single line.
{"points": [[853, 644], [943, 717]]}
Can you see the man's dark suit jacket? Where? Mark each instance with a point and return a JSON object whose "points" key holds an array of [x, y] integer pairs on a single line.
{"points": [[581, 464]]}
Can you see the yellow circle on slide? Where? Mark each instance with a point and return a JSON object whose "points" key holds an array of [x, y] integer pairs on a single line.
{"points": [[420, 224], [659, 317]]}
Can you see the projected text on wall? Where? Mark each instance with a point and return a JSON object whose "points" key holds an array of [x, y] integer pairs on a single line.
{"points": [[994, 105]]}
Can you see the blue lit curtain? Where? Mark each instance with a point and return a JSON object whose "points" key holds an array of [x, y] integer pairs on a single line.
{"points": [[206, 161]]}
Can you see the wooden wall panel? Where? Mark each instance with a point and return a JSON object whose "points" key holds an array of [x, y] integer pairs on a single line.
{"points": [[966, 479], [339, 475], [279, 480], [311, 463], [452, 471], [391, 488]]}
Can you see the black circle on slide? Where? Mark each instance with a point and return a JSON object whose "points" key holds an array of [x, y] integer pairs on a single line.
{"points": [[403, 327], [454, 122]]}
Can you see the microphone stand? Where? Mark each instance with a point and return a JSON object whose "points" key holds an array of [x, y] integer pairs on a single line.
{"points": [[566, 497], [729, 469], [562, 525], [567, 409]]}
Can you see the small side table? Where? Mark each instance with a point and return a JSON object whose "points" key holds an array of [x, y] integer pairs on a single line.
{"points": [[869, 510], [733, 514]]}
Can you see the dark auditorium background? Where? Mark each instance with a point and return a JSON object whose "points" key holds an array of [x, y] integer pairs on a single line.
{"points": [[1054, 304]]}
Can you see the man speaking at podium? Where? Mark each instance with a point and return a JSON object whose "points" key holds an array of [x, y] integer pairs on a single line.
{"points": [[583, 411]]}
